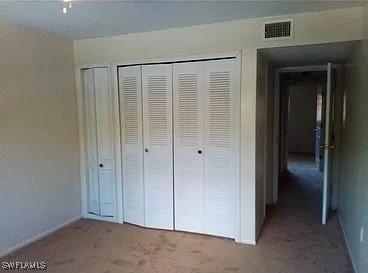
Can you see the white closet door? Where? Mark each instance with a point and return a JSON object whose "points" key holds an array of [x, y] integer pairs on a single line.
{"points": [[158, 156], [105, 142], [221, 122], [188, 146], [91, 142], [130, 89]]}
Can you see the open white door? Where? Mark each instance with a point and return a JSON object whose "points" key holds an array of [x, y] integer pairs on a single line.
{"points": [[328, 145]]}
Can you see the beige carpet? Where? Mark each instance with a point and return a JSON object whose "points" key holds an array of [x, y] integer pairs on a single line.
{"points": [[292, 241]]}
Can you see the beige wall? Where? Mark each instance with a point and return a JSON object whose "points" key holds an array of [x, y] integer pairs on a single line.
{"points": [[39, 167], [234, 36], [302, 117], [353, 198], [310, 28]]}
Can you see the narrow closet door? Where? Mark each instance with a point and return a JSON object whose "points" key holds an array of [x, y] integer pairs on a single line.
{"points": [[221, 123], [130, 89], [93, 195], [105, 142], [188, 146], [158, 156]]}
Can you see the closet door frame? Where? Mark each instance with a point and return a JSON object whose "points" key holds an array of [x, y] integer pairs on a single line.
{"points": [[239, 211], [82, 141]]}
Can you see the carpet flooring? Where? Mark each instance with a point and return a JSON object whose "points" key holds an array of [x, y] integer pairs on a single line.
{"points": [[292, 241]]}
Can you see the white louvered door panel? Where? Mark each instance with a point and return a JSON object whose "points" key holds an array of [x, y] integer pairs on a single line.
{"points": [[158, 156], [130, 94], [105, 142], [188, 146], [220, 132], [93, 197]]}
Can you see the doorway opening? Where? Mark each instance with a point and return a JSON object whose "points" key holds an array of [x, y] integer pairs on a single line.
{"points": [[302, 107], [303, 98]]}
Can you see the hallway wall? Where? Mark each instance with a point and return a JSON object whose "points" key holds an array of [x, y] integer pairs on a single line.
{"points": [[353, 201], [261, 140], [302, 117]]}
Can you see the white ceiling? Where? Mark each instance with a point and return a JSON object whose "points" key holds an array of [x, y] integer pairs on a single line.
{"points": [[321, 54], [89, 19]]}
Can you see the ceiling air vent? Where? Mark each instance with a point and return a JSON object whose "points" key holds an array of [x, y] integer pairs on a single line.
{"points": [[278, 30]]}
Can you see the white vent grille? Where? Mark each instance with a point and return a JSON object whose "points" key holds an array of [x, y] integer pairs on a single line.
{"points": [[157, 110], [130, 100], [278, 30], [188, 109], [219, 109]]}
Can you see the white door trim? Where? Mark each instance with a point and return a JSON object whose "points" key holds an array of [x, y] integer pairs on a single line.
{"points": [[81, 140], [238, 178], [117, 141], [203, 57]]}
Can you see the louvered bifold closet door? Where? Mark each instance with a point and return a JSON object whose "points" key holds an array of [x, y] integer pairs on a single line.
{"points": [[93, 195], [222, 121], [158, 154], [105, 142], [130, 95], [188, 146]]}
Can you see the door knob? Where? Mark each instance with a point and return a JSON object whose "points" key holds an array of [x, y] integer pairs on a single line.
{"points": [[146, 150], [327, 146], [199, 151], [101, 165]]}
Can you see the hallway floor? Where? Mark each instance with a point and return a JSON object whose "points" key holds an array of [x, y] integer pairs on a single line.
{"points": [[292, 241]]}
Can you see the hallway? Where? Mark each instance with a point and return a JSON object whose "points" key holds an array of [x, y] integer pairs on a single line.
{"points": [[295, 222], [301, 187], [292, 241]]}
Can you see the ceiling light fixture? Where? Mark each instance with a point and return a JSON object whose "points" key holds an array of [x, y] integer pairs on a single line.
{"points": [[68, 4]]}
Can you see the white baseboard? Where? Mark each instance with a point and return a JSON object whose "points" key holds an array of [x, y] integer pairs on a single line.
{"points": [[248, 242], [259, 231], [347, 243], [99, 218], [38, 237]]}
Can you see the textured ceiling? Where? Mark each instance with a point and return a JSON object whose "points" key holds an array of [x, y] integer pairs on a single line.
{"points": [[89, 19]]}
